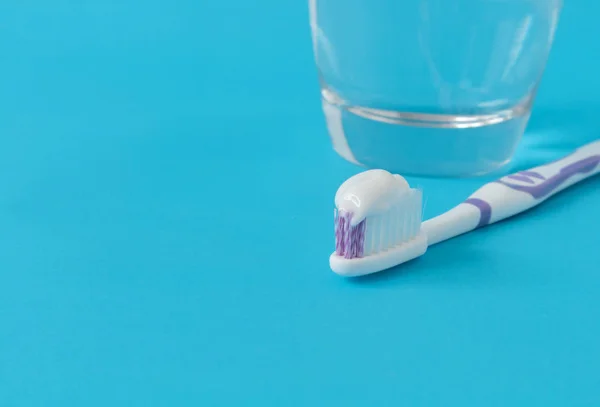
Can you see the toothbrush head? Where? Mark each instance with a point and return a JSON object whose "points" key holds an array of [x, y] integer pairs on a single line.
{"points": [[377, 224]]}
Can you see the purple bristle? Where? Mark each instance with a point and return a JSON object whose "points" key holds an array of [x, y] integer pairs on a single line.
{"points": [[349, 240]]}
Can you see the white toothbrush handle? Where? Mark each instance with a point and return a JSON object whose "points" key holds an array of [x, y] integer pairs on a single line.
{"points": [[514, 194]]}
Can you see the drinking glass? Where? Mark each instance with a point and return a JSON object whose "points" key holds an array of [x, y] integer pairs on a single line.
{"points": [[430, 87]]}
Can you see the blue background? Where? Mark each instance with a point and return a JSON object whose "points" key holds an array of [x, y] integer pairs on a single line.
{"points": [[166, 195]]}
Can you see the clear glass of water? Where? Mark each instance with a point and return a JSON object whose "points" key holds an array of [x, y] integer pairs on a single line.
{"points": [[430, 87]]}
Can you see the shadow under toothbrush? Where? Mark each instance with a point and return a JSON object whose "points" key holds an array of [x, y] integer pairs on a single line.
{"points": [[464, 261]]}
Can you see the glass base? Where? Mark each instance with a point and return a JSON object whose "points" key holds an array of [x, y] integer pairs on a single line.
{"points": [[424, 144]]}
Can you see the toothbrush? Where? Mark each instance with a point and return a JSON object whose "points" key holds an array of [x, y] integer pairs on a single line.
{"points": [[378, 216]]}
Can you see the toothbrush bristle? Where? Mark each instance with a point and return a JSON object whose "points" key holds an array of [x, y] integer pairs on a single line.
{"points": [[349, 240], [401, 223]]}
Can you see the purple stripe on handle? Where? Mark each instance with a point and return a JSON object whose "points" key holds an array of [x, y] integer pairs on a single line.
{"points": [[485, 209], [548, 186], [532, 174], [522, 178]]}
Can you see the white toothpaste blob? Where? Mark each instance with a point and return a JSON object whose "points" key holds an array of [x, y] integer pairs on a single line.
{"points": [[370, 193]]}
